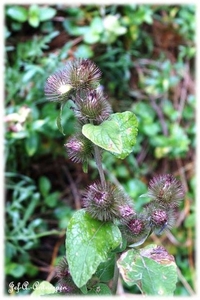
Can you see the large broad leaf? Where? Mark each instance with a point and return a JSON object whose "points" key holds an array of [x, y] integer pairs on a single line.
{"points": [[105, 270], [88, 243], [151, 268], [117, 134]]}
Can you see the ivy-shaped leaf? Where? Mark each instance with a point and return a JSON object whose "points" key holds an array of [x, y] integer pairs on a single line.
{"points": [[116, 135], [151, 268], [88, 243]]}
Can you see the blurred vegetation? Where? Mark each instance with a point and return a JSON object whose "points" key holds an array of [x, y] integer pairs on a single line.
{"points": [[147, 56]]}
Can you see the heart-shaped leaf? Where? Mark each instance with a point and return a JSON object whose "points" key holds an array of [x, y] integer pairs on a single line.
{"points": [[88, 243], [116, 135], [151, 268]]}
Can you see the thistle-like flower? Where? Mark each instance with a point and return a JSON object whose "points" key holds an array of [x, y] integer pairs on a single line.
{"points": [[166, 190], [83, 74], [137, 225], [106, 203], [62, 269], [160, 217], [79, 148], [65, 283], [126, 212], [57, 86], [78, 74], [136, 229], [92, 106]]}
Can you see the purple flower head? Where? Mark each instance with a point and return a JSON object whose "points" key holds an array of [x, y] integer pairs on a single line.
{"points": [[79, 148], [106, 203], [79, 74], [166, 190]]}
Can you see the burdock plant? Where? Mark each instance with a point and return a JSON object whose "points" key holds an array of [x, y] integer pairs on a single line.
{"points": [[103, 238]]}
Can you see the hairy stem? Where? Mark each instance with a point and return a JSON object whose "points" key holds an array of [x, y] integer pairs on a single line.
{"points": [[97, 157], [115, 278]]}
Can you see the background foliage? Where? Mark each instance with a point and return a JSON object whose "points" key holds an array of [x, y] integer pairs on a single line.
{"points": [[146, 54]]}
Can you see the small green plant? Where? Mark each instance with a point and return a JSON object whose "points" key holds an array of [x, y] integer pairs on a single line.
{"points": [[103, 238], [33, 15]]}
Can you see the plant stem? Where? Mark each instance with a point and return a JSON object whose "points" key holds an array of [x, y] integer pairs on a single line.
{"points": [[115, 278], [97, 157], [35, 236]]}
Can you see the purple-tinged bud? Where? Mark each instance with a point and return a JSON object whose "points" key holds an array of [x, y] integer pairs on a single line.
{"points": [[160, 217], [166, 190], [62, 269], [136, 226], [105, 203], [136, 230], [79, 148], [126, 212], [65, 282], [92, 106]]}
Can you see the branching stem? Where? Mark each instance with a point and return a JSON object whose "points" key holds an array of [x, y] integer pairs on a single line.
{"points": [[115, 278], [97, 156]]}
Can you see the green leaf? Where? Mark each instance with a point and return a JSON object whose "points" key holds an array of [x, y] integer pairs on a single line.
{"points": [[93, 34], [84, 51], [151, 268], [44, 185], [85, 167], [116, 135], [105, 270], [97, 25], [84, 289], [34, 16], [91, 37], [88, 243], [100, 289], [52, 199], [15, 270], [31, 144], [121, 247], [44, 288], [59, 118], [46, 13], [18, 13]]}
